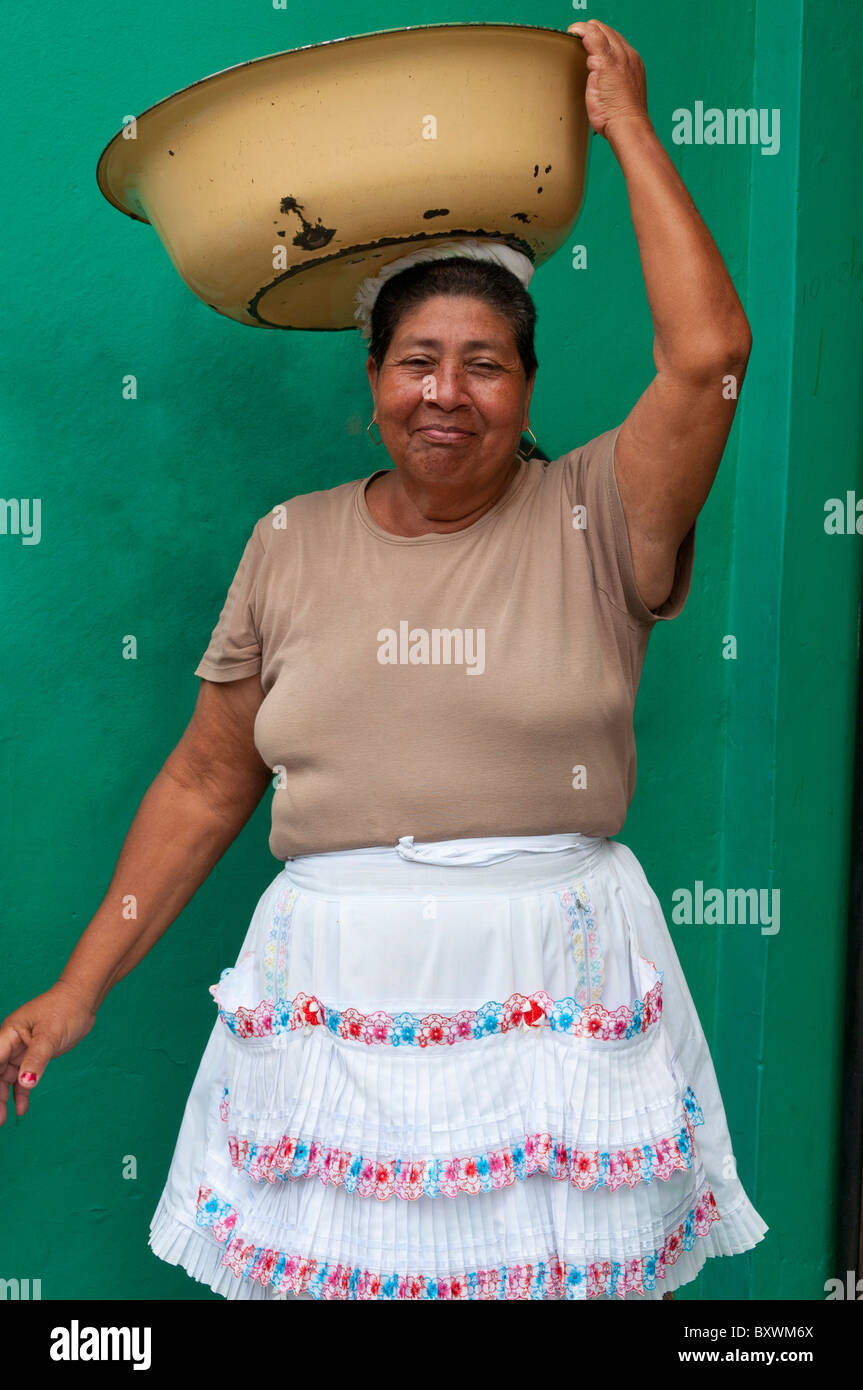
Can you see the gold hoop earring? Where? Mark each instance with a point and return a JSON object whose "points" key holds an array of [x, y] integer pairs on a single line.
{"points": [[533, 437], [372, 421]]}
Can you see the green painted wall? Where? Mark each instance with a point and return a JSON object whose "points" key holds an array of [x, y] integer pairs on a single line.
{"points": [[744, 765]]}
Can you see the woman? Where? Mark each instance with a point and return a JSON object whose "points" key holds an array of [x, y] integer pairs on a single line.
{"points": [[457, 1056]]}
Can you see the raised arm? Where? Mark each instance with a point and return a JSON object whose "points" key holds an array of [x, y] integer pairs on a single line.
{"points": [[670, 445], [193, 810]]}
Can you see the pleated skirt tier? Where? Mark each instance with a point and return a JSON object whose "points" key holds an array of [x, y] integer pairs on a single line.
{"points": [[468, 1069]]}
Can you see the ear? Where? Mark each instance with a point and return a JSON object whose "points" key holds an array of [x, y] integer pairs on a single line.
{"points": [[372, 372]]}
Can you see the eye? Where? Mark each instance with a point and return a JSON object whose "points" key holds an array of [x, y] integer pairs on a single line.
{"points": [[424, 361]]}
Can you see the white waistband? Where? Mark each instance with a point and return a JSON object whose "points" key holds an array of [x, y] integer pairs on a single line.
{"points": [[485, 863]]}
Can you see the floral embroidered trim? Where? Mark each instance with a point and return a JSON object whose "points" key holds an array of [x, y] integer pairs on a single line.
{"points": [[276, 949], [271, 1017], [292, 1158], [693, 1109], [554, 1278], [586, 949]]}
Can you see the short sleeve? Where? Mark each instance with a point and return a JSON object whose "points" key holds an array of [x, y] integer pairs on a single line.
{"points": [[592, 482], [234, 650]]}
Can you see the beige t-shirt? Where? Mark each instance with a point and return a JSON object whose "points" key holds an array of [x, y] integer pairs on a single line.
{"points": [[478, 682]]}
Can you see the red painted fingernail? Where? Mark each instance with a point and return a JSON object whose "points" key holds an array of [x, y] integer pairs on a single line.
{"points": [[28, 1078]]}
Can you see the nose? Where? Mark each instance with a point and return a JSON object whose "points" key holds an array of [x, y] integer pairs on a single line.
{"points": [[448, 385]]}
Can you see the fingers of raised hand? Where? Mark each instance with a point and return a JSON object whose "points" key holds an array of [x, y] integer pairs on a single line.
{"points": [[596, 37], [12, 1047], [15, 1071]]}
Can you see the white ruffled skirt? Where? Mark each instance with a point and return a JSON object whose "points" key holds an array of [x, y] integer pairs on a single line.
{"points": [[470, 1069]]}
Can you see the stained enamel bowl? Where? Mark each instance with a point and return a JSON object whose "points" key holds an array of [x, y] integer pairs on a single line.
{"points": [[277, 185]]}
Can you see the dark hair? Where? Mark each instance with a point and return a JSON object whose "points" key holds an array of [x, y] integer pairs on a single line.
{"points": [[457, 275]]}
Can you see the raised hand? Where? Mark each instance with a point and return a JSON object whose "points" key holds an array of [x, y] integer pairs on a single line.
{"points": [[616, 81]]}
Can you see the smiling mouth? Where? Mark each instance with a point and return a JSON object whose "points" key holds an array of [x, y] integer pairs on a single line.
{"points": [[443, 432]]}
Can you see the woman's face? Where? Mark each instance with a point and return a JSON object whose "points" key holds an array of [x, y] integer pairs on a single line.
{"points": [[451, 399]]}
